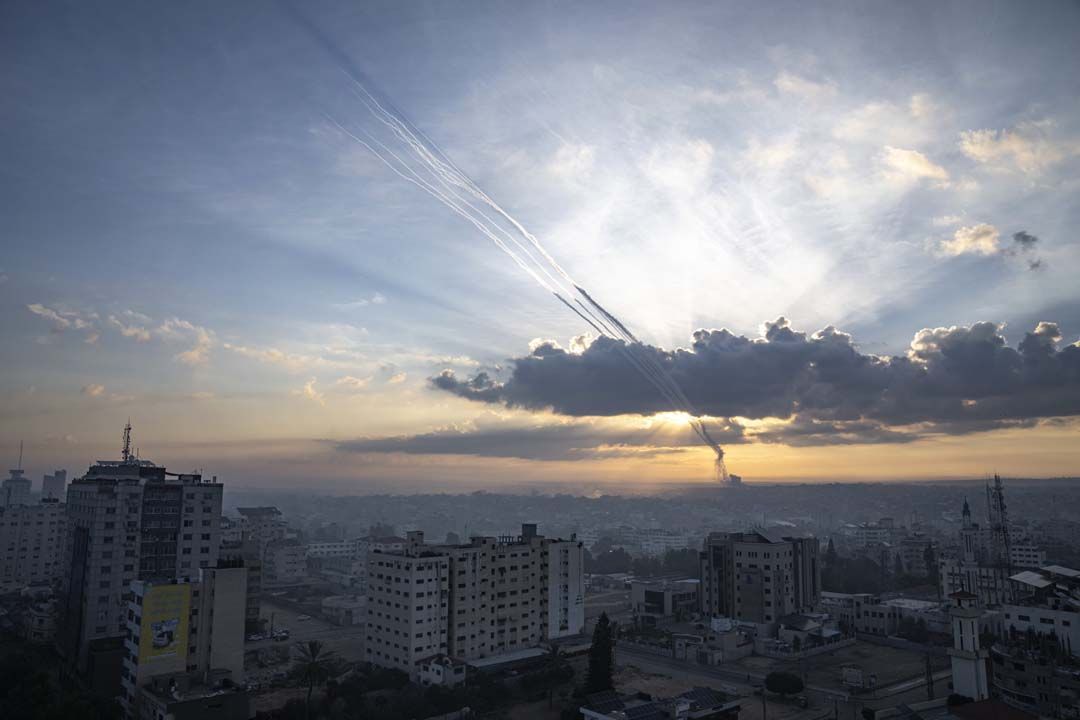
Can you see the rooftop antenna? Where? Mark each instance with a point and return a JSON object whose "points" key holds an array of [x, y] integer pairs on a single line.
{"points": [[20, 455], [126, 454]]}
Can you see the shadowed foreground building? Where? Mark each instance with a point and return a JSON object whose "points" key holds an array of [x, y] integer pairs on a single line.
{"points": [[757, 577], [128, 520]]}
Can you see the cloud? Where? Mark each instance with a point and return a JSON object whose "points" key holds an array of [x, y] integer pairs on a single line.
{"points": [[353, 383], [680, 167], [558, 440], [981, 239], [911, 166], [63, 319], [199, 353], [141, 334], [376, 298], [791, 84], [963, 374], [1026, 148], [572, 162], [397, 378], [770, 156], [947, 220], [309, 392], [272, 356], [1025, 244], [202, 395], [93, 390]]}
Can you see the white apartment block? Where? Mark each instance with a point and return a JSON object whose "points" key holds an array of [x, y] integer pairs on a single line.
{"points": [[871, 534], [337, 549], [408, 609], [31, 544], [471, 601]]}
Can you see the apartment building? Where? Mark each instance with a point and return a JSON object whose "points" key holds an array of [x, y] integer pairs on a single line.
{"points": [[31, 544], [54, 486], [492, 596], [176, 627], [757, 577], [128, 520], [285, 562], [261, 526], [15, 490]]}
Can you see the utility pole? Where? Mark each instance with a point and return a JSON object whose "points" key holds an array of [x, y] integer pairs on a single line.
{"points": [[763, 705], [929, 678]]}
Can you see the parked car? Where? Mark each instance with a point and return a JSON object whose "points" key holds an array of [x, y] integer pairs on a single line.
{"points": [[255, 637], [302, 618]]}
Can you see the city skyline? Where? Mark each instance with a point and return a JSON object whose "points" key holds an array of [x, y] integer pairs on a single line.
{"points": [[193, 243]]}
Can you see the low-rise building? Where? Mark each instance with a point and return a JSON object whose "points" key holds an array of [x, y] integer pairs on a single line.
{"points": [[441, 670], [193, 696], [345, 609], [696, 704], [39, 622], [653, 600]]}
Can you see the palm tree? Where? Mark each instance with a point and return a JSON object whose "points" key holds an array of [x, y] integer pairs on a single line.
{"points": [[313, 666]]}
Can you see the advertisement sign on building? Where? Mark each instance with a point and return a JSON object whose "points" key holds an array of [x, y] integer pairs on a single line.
{"points": [[164, 629]]}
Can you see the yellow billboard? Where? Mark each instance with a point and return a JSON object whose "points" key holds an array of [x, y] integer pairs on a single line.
{"points": [[164, 629]]}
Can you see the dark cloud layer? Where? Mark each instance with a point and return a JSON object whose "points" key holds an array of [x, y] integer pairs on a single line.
{"points": [[959, 379], [573, 440]]}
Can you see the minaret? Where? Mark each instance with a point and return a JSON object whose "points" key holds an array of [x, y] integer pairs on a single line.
{"points": [[969, 535], [967, 654]]}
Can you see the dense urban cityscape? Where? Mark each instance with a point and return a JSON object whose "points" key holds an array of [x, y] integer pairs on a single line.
{"points": [[178, 598]]}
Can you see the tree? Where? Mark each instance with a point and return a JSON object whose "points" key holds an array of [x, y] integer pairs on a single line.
{"points": [[930, 558], [898, 566], [602, 545], [830, 554], [313, 665], [685, 562], [783, 683], [601, 657]]}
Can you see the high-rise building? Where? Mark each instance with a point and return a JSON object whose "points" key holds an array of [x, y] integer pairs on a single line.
{"points": [[15, 490], [54, 486], [128, 520], [471, 601], [759, 578], [31, 544]]}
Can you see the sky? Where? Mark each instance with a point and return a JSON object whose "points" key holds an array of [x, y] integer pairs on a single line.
{"points": [[848, 233]]}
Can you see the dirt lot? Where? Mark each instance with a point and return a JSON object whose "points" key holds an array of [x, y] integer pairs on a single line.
{"points": [[891, 665]]}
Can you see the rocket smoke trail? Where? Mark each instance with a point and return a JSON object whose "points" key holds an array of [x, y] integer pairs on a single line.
{"points": [[417, 159]]}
